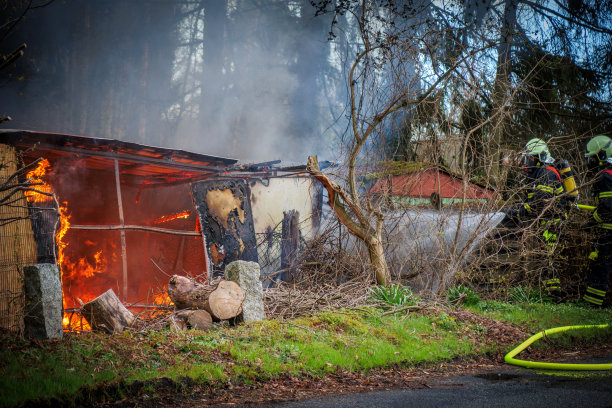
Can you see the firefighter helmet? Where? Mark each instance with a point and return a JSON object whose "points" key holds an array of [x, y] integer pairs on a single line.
{"points": [[600, 147], [535, 153], [537, 147]]}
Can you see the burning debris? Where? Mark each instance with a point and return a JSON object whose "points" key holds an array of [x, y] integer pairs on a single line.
{"points": [[196, 305], [126, 217], [167, 218], [42, 191]]}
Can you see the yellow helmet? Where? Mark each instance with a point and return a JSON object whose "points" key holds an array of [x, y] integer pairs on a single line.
{"points": [[599, 146], [537, 147]]}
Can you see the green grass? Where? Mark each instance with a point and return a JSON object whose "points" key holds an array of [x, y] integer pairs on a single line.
{"points": [[541, 316], [39, 372], [328, 342]]}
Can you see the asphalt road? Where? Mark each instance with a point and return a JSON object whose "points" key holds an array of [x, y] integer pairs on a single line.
{"points": [[508, 387]]}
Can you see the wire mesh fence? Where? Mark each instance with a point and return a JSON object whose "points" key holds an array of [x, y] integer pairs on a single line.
{"points": [[278, 258], [19, 239]]}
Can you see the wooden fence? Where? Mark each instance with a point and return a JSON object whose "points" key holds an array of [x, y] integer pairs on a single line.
{"points": [[17, 245]]}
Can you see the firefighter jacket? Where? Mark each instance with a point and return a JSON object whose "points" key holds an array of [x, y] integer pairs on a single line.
{"points": [[544, 185], [602, 190]]}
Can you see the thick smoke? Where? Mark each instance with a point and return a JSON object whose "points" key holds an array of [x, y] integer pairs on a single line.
{"points": [[231, 78], [251, 122]]}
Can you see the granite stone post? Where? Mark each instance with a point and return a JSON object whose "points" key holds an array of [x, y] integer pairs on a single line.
{"points": [[43, 302], [246, 275]]}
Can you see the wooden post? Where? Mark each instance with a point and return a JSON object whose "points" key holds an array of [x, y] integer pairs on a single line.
{"points": [[207, 264], [290, 238], [122, 223], [178, 263], [44, 217]]}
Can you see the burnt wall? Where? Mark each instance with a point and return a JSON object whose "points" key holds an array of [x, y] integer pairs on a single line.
{"points": [[224, 208]]}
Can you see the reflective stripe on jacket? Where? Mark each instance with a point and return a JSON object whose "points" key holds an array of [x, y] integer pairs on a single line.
{"points": [[545, 185]]}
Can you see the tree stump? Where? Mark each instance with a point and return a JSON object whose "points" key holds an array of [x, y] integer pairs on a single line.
{"points": [[107, 313], [222, 300]]}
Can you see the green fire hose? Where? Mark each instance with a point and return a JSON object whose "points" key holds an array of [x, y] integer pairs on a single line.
{"points": [[554, 366]]}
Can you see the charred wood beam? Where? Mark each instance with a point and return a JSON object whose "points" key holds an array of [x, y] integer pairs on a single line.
{"points": [[137, 228], [260, 166], [44, 219]]}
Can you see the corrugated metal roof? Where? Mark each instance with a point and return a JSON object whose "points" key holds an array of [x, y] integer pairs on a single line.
{"points": [[138, 160]]}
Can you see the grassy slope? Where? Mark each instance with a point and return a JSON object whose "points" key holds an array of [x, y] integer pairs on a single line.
{"points": [[347, 340]]}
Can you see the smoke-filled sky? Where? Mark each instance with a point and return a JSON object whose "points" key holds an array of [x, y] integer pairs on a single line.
{"points": [[259, 80], [238, 79]]}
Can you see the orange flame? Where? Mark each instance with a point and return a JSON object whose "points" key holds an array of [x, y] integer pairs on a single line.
{"points": [[85, 267], [36, 177], [167, 218], [61, 232], [74, 321], [162, 298], [73, 270]]}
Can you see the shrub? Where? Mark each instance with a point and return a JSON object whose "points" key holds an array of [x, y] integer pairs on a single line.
{"points": [[521, 294], [462, 294], [395, 295]]}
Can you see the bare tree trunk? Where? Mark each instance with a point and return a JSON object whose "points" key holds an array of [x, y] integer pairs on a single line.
{"points": [[378, 260], [501, 89], [371, 237]]}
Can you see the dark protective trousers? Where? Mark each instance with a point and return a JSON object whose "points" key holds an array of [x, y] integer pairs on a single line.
{"points": [[600, 268]]}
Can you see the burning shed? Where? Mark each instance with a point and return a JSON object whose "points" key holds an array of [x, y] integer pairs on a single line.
{"points": [[126, 217], [418, 183]]}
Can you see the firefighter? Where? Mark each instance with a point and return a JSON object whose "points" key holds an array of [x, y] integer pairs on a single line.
{"points": [[543, 185], [599, 166]]}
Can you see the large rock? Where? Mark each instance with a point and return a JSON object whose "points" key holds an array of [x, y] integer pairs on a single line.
{"points": [[43, 301], [246, 275]]}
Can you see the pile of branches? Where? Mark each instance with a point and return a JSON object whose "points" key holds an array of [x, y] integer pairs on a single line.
{"points": [[325, 276], [293, 300]]}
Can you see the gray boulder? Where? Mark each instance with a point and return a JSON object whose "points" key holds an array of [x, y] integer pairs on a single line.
{"points": [[246, 275], [43, 302]]}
